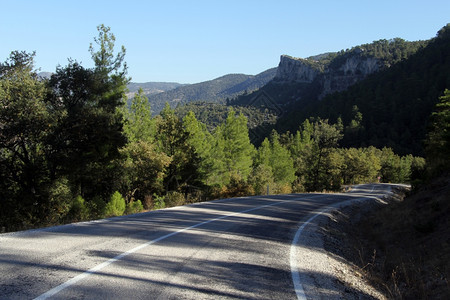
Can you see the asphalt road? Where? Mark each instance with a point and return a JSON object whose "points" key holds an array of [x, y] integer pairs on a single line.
{"points": [[231, 248]]}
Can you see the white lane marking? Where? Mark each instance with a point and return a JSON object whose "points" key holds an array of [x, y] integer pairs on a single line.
{"points": [[97, 268], [298, 287], [295, 273]]}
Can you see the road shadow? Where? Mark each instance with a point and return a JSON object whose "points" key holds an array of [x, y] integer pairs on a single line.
{"points": [[265, 233]]}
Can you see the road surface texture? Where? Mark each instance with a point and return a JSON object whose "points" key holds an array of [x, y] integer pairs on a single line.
{"points": [[232, 248]]}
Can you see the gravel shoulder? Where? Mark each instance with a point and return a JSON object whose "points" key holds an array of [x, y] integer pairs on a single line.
{"points": [[325, 270]]}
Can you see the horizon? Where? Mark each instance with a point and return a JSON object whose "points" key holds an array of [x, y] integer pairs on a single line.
{"points": [[191, 42]]}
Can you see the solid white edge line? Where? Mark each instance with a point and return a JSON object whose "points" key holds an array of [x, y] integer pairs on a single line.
{"points": [[97, 268], [298, 287], [295, 274]]}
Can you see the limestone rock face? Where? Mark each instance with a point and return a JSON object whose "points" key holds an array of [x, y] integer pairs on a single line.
{"points": [[360, 65], [352, 70], [334, 77], [295, 70]]}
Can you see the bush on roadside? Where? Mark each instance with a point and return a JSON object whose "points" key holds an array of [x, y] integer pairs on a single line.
{"points": [[174, 199], [158, 202], [78, 210], [134, 207], [237, 187], [116, 206]]}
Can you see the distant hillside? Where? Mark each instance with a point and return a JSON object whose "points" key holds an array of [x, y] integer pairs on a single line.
{"points": [[151, 88], [216, 90], [395, 103], [311, 79], [394, 85], [214, 114]]}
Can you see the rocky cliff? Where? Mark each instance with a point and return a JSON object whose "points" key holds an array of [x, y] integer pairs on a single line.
{"points": [[331, 75], [292, 69]]}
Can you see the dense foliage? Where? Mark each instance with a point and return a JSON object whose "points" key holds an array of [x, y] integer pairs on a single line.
{"points": [[395, 103], [410, 78], [72, 148], [214, 114]]}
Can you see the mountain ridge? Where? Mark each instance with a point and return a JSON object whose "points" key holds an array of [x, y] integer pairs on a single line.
{"points": [[217, 90]]}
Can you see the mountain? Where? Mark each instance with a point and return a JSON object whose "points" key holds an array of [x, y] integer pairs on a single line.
{"points": [[300, 80], [45, 75], [392, 84], [216, 90], [395, 103], [151, 88]]}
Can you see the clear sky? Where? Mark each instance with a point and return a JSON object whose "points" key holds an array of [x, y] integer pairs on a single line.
{"points": [[193, 41]]}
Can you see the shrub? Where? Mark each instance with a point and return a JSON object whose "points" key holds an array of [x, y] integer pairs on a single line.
{"points": [[174, 199], [61, 200], [134, 207], [260, 178], [158, 203], [237, 187], [96, 207], [282, 188], [78, 210], [116, 206]]}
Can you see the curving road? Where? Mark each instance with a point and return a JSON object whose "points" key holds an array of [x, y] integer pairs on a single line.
{"points": [[231, 248]]}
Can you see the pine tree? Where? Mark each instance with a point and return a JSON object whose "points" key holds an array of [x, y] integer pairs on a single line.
{"points": [[89, 131], [138, 122], [172, 139], [325, 140], [275, 156], [438, 139], [281, 162], [205, 145], [24, 126], [237, 147]]}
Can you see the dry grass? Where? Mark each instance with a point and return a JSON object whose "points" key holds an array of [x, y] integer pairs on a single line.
{"points": [[402, 248], [405, 247]]}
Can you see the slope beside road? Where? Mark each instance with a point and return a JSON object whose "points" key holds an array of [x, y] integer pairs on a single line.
{"points": [[231, 248]]}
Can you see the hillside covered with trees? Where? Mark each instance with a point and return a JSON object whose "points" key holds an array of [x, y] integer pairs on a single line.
{"points": [[387, 107], [390, 107], [218, 90], [72, 148]]}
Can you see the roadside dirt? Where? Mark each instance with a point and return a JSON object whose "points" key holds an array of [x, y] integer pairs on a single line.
{"points": [[390, 248], [333, 265]]}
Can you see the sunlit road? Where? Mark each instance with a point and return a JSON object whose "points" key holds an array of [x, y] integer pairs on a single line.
{"points": [[232, 248]]}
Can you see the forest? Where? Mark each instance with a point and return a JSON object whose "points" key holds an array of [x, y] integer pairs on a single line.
{"points": [[395, 103], [72, 148]]}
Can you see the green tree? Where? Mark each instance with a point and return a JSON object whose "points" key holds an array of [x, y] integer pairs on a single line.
{"points": [[355, 128], [325, 138], [24, 125], [264, 153], [390, 165], [277, 157], [238, 150], [116, 205], [144, 169], [78, 210], [359, 166], [211, 164], [86, 138], [104, 58], [281, 162], [438, 138], [89, 129], [182, 173], [260, 178], [138, 122]]}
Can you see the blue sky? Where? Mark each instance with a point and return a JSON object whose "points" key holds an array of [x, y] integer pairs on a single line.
{"points": [[193, 41]]}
